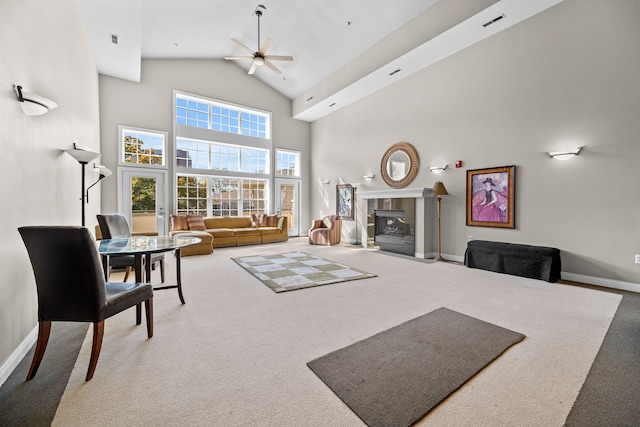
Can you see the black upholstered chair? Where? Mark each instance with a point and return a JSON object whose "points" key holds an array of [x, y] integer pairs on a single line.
{"points": [[115, 225], [72, 288]]}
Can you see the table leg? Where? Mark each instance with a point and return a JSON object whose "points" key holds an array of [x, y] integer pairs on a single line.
{"points": [[138, 274], [105, 266], [147, 267], [179, 275]]}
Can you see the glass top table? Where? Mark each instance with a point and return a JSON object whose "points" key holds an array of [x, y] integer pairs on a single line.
{"points": [[142, 247]]}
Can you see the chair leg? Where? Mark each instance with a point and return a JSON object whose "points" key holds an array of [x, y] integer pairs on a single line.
{"points": [[161, 271], [44, 330], [148, 308], [98, 333], [126, 273]]}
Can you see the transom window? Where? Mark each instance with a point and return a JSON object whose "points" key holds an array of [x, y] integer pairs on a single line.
{"points": [[206, 114], [222, 157], [142, 147], [287, 163]]}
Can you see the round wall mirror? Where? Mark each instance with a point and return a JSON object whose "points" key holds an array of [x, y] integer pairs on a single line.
{"points": [[399, 165]]}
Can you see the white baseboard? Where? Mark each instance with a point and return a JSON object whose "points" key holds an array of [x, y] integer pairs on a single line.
{"points": [[16, 357]]}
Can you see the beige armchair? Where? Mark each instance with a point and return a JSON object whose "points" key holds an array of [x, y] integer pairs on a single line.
{"points": [[326, 231]]}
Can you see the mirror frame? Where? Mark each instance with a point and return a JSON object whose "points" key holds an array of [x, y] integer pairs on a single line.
{"points": [[414, 161]]}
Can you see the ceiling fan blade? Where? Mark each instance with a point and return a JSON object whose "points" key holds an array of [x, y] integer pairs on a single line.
{"points": [[278, 58], [242, 45], [265, 45], [228, 58], [253, 68], [273, 67]]}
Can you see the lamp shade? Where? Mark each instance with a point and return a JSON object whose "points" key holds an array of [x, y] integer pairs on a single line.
{"points": [[82, 156], [439, 189], [32, 104]]}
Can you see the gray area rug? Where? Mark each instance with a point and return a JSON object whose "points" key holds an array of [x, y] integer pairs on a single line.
{"points": [[397, 376], [297, 270]]}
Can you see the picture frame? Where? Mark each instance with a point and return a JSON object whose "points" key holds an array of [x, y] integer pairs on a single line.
{"points": [[344, 201], [491, 197]]}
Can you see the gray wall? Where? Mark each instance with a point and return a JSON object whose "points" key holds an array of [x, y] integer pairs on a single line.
{"points": [[564, 78], [149, 104], [44, 49]]}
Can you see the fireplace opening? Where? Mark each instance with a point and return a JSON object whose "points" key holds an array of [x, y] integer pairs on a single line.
{"points": [[393, 233]]}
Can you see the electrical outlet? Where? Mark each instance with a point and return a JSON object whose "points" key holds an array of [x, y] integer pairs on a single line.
{"points": [[637, 259], [471, 238]]}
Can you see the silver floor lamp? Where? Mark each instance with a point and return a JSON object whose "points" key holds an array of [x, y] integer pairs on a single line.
{"points": [[439, 190]]}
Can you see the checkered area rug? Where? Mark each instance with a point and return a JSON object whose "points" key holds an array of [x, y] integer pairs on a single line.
{"points": [[298, 270]]}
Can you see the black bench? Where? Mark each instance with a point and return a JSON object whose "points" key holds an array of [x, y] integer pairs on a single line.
{"points": [[535, 262]]}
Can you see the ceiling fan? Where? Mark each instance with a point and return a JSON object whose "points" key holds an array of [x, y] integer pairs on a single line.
{"points": [[260, 57]]}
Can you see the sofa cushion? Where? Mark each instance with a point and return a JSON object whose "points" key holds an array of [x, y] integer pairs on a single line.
{"points": [[258, 220], [196, 222], [272, 221], [269, 230], [281, 222], [228, 222], [179, 222], [243, 232], [220, 232]]}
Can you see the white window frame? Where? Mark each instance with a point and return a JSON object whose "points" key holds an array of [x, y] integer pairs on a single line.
{"points": [[121, 152], [298, 166], [219, 137]]}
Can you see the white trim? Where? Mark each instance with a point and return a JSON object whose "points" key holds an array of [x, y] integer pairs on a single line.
{"points": [[18, 354]]}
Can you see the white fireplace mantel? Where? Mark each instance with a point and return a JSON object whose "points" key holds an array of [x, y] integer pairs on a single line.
{"points": [[403, 193]]}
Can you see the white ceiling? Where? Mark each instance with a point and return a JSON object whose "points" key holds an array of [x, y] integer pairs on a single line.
{"points": [[322, 36]]}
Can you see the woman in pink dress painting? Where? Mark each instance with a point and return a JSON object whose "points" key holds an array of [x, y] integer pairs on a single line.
{"points": [[490, 203]]}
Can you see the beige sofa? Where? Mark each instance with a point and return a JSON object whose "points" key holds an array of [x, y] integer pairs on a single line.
{"points": [[237, 231]]}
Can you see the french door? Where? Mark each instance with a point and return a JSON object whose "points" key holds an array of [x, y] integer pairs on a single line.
{"points": [[142, 198], [287, 203]]}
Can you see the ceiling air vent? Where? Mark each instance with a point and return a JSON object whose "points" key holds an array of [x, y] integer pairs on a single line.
{"points": [[496, 19], [114, 38]]}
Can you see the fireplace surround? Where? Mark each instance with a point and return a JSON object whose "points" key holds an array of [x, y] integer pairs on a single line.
{"points": [[413, 208]]}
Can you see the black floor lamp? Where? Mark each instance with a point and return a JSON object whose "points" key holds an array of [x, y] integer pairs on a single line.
{"points": [[83, 157], [439, 190]]}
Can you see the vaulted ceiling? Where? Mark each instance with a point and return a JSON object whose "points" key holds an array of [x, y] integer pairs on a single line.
{"points": [[343, 50]]}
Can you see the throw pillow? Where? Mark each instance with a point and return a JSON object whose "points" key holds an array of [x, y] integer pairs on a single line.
{"points": [[272, 220], [258, 220], [179, 222], [196, 222], [280, 222]]}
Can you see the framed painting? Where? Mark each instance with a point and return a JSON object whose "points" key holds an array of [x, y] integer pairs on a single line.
{"points": [[344, 201], [490, 197]]}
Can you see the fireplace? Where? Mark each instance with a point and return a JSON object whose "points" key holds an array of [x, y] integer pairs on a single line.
{"points": [[394, 232], [418, 208]]}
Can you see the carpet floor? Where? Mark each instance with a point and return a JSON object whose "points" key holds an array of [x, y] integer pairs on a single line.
{"points": [[397, 376], [235, 354]]}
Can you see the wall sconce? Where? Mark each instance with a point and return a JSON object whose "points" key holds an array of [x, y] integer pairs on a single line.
{"points": [[83, 157], [368, 177], [104, 172], [34, 105], [564, 155], [437, 169], [325, 182]]}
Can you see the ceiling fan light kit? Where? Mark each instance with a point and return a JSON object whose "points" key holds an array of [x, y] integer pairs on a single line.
{"points": [[260, 57]]}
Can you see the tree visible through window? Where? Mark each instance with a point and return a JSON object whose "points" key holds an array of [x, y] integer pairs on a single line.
{"points": [[142, 147]]}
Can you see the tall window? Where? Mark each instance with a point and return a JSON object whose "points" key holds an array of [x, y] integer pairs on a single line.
{"points": [[142, 147], [223, 156]]}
